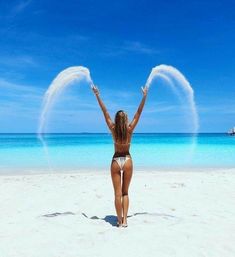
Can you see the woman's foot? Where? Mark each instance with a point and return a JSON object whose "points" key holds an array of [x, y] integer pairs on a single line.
{"points": [[119, 223], [124, 223]]}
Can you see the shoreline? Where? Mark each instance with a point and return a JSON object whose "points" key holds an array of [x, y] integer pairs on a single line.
{"points": [[146, 170]]}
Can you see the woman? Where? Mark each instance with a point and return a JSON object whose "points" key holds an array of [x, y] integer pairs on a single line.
{"points": [[121, 161]]}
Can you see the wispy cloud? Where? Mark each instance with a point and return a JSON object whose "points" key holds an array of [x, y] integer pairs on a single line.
{"points": [[128, 47], [228, 108], [159, 109], [19, 99], [8, 86], [138, 47], [19, 7], [17, 61]]}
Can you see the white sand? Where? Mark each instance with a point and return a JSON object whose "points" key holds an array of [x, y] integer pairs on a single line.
{"points": [[172, 214]]}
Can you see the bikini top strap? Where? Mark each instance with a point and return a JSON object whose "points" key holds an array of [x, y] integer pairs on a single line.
{"points": [[121, 143]]}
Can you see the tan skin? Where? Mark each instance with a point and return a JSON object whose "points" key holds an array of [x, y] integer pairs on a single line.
{"points": [[121, 183]]}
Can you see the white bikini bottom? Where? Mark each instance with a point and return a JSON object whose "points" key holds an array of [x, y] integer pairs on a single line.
{"points": [[121, 161]]}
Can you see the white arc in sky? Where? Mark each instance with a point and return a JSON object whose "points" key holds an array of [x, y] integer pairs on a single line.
{"points": [[178, 83], [61, 81]]}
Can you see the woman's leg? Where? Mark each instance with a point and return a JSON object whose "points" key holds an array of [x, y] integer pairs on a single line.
{"points": [[116, 178], [127, 174]]}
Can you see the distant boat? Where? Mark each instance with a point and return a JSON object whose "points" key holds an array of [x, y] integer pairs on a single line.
{"points": [[231, 132]]}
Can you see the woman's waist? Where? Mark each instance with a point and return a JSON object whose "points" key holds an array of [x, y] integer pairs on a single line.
{"points": [[122, 154]]}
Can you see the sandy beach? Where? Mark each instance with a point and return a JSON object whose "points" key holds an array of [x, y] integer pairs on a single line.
{"points": [[171, 214]]}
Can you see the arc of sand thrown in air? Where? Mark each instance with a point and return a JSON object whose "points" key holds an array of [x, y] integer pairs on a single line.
{"points": [[171, 74], [61, 81]]}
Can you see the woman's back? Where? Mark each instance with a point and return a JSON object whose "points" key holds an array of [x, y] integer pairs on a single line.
{"points": [[122, 148]]}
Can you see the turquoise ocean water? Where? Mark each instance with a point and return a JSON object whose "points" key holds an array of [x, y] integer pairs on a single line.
{"points": [[24, 153]]}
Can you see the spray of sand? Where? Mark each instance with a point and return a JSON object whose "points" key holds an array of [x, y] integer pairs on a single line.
{"points": [[64, 79], [178, 83]]}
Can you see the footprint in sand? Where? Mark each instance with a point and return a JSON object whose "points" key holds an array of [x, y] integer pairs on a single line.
{"points": [[177, 185]]}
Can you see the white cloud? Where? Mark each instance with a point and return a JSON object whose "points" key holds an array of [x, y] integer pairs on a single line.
{"points": [[129, 47], [138, 47], [11, 87], [219, 107], [17, 61]]}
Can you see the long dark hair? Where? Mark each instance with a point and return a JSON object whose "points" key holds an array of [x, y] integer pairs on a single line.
{"points": [[121, 123]]}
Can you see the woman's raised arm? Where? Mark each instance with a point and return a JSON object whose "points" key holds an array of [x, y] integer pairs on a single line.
{"points": [[103, 108], [140, 109]]}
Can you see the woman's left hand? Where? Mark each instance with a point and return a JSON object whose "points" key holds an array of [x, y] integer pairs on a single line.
{"points": [[144, 90], [95, 90]]}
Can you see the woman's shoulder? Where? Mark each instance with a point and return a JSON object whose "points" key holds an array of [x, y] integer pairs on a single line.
{"points": [[129, 129]]}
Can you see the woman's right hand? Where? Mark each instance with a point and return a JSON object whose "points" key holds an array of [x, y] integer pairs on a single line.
{"points": [[95, 90], [144, 90]]}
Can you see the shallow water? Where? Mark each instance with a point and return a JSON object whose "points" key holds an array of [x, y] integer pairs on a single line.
{"points": [[74, 152]]}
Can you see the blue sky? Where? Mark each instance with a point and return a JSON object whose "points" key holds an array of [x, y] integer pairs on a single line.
{"points": [[119, 41]]}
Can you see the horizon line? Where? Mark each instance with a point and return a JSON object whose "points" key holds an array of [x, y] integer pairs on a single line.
{"points": [[48, 133]]}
